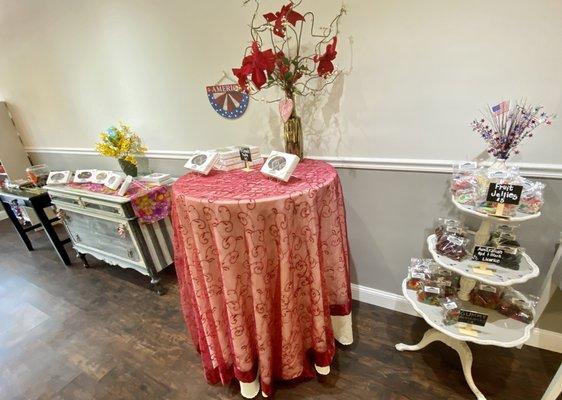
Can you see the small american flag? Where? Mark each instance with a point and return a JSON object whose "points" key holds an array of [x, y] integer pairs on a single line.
{"points": [[501, 108]]}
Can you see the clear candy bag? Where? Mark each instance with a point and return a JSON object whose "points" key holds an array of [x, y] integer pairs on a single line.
{"points": [[486, 296], [532, 197], [450, 309], [517, 306], [453, 244], [445, 225], [464, 183]]}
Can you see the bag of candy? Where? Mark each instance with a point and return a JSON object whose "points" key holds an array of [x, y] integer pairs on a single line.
{"points": [[419, 270], [453, 244], [531, 197], [445, 225], [517, 306], [464, 183], [504, 239], [450, 308], [509, 177], [486, 296]]}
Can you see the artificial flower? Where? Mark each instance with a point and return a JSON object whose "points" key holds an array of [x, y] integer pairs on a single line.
{"points": [[325, 65], [286, 14], [259, 64]]}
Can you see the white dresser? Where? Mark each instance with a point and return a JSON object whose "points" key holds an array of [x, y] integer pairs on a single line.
{"points": [[106, 227]]}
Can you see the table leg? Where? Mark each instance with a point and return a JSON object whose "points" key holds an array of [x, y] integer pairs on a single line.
{"points": [[52, 235], [154, 278], [82, 257], [17, 225], [459, 346]]}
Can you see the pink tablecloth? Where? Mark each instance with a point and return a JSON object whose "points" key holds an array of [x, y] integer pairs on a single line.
{"points": [[262, 266]]}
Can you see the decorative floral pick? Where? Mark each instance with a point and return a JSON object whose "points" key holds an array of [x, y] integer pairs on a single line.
{"points": [[504, 127]]}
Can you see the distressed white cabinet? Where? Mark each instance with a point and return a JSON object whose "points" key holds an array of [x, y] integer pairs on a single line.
{"points": [[106, 227]]}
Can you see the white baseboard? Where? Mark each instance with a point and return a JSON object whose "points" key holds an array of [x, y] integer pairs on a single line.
{"points": [[3, 215], [540, 338], [546, 340]]}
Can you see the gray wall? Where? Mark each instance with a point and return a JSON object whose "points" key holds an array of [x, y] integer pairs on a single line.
{"points": [[389, 216]]}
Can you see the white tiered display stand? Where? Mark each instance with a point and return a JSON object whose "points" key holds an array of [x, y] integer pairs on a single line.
{"points": [[499, 329]]}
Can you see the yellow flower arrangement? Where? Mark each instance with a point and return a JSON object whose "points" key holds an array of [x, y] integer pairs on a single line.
{"points": [[121, 143]]}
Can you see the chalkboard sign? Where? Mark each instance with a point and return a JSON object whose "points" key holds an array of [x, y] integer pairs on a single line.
{"points": [[473, 318], [245, 154], [488, 254], [504, 193]]}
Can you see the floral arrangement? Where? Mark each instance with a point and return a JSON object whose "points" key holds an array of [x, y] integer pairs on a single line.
{"points": [[283, 64], [122, 143], [505, 127]]}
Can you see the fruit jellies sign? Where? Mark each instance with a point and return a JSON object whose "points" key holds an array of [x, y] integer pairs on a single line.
{"points": [[228, 101]]}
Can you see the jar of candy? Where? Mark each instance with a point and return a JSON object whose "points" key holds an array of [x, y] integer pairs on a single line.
{"points": [[486, 296]]}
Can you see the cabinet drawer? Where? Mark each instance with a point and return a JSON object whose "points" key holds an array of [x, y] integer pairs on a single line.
{"points": [[110, 237]]}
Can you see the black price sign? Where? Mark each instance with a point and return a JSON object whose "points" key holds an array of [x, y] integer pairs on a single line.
{"points": [[245, 154], [488, 254], [504, 193], [473, 318]]}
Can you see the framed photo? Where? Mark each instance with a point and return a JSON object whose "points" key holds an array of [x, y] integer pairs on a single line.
{"points": [[59, 177], [280, 165], [100, 176], [84, 175], [202, 161], [114, 180]]}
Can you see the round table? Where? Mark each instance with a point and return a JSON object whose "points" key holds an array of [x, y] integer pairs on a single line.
{"points": [[263, 272]]}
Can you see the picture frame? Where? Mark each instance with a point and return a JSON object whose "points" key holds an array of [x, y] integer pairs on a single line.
{"points": [[280, 165], [114, 180], [84, 175], [202, 162], [59, 177], [100, 176]]}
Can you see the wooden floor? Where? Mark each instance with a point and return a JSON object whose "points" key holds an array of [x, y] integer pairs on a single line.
{"points": [[72, 333]]}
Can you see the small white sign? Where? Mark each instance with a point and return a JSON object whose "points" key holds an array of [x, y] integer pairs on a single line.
{"points": [[202, 161], [280, 165], [59, 177], [84, 175]]}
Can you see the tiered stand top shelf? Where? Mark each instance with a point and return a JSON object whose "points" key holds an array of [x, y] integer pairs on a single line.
{"points": [[499, 330], [519, 216], [502, 277]]}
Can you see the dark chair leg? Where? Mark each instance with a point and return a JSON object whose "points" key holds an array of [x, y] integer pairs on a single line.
{"points": [[156, 286], [52, 235], [17, 225]]}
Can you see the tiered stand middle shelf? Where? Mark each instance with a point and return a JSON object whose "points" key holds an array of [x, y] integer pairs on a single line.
{"points": [[499, 329]]}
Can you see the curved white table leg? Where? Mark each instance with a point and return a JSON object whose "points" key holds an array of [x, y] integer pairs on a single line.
{"points": [[460, 347], [429, 337]]}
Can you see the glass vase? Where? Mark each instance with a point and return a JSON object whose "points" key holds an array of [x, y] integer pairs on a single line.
{"points": [[292, 136], [128, 167]]}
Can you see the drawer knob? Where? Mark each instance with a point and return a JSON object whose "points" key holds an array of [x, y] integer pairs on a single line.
{"points": [[122, 230], [77, 238], [63, 216], [130, 253]]}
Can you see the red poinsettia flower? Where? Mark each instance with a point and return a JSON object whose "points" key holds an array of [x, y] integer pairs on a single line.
{"points": [[325, 65], [286, 14], [259, 64]]}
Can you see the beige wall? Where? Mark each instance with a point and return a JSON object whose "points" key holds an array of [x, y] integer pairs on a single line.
{"points": [[416, 72]]}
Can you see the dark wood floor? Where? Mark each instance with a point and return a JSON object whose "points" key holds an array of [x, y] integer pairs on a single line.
{"points": [[72, 333]]}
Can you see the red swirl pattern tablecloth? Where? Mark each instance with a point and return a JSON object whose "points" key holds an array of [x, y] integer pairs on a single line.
{"points": [[262, 266]]}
